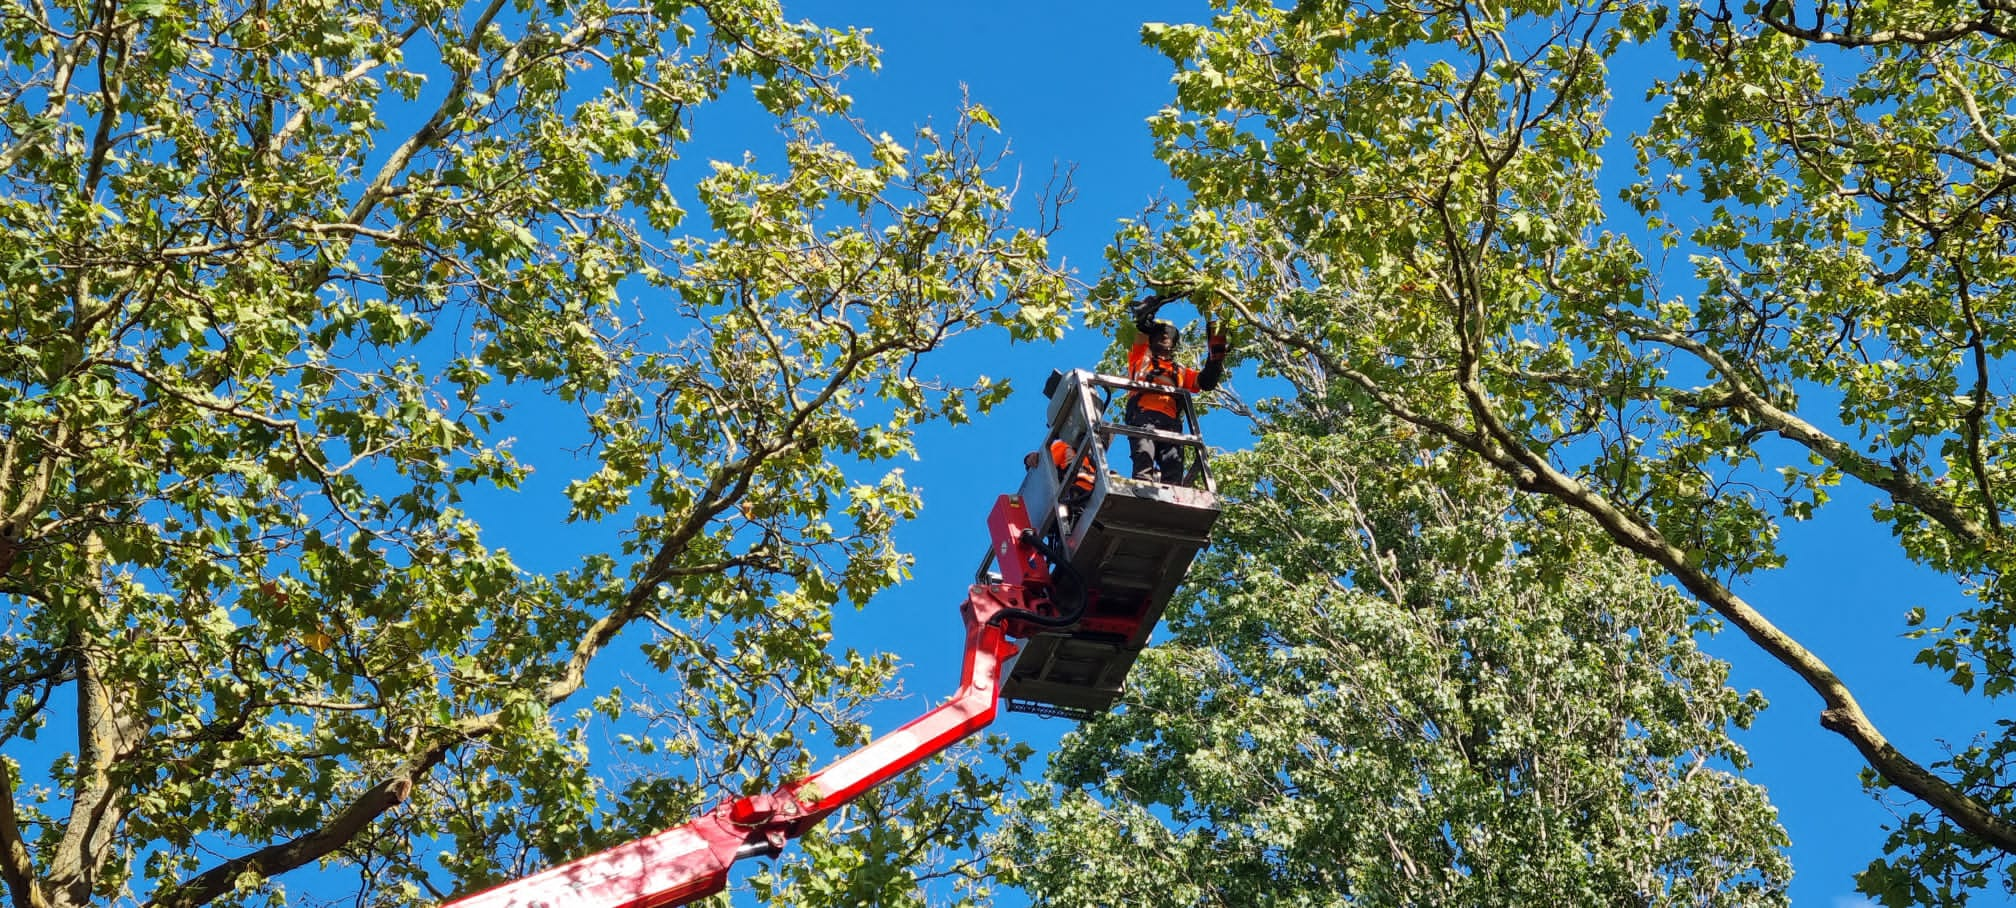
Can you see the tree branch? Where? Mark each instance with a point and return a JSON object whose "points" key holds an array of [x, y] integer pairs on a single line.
{"points": [[430, 131], [1778, 16], [301, 850], [17, 869], [57, 101], [1900, 485], [111, 67], [1976, 123], [1840, 714], [1977, 408], [95, 813]]}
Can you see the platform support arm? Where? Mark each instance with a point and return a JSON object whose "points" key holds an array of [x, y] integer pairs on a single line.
{"points": [[969, 710], [687, 863]]}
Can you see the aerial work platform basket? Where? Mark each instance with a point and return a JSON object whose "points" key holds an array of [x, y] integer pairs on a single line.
{"points": [[1128, 543]]}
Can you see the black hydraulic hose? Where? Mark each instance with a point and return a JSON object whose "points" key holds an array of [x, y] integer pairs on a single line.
{"points": [[1060, 562], [1067, 575]]}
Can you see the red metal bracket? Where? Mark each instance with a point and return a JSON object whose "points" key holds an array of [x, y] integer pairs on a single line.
{"points": [[1022, 564]]}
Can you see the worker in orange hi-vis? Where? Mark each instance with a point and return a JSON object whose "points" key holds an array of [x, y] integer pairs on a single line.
{"points": [[1087, 476], [1152, 360], [1060, 456]]}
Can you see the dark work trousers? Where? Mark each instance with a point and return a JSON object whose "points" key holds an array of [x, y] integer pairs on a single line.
{"points": [[1148, 452]]}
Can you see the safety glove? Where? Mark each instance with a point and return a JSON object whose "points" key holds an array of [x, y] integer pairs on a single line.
{"points": [[1144, 311], [1218, 343]]}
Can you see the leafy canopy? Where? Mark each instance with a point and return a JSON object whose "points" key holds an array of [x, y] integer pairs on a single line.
{"points": [[1804, 282], [1391, 684], [277, 283]]}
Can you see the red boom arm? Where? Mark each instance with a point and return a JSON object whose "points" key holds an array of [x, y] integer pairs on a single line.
{"points": [[690, 862]]}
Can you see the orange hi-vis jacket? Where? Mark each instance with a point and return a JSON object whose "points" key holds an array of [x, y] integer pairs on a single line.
{"points": [[1060, 452], [1144, 366]]}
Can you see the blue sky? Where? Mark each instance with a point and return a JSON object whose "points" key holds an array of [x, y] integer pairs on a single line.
{"points": [[1072, 84]]}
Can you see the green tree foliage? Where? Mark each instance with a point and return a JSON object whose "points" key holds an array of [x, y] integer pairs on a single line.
{"points": [[904, 845], [1390, 688], [275, 278], [1806, 281]]}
